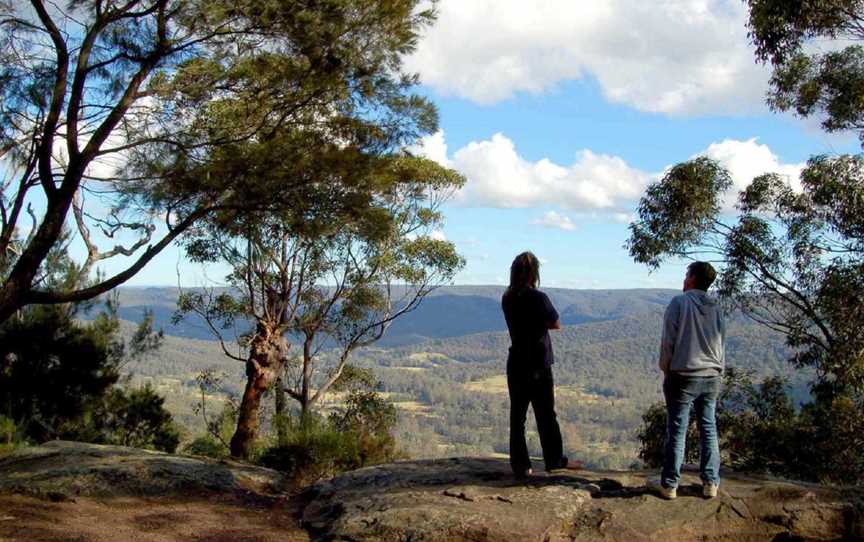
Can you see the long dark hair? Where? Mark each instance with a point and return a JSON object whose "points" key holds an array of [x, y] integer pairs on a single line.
{"points": [[524, 272]]}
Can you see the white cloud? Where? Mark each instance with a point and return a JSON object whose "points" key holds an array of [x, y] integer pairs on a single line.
{"points": [[553, 220], [499, 177], [675, 57], [438, 235], [432, 147], [593, 185], [624, 218], [748, 159]]}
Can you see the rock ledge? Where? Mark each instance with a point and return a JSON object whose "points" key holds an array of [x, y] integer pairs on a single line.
{"points": [[465, 499], [62, 470]]}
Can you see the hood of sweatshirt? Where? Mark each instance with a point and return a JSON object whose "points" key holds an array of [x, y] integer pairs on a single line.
{"points": [[703, 302]]}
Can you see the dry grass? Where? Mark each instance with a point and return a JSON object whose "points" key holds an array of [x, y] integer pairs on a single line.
{"points": [[429, 358], [498, 385], [493, 384]]}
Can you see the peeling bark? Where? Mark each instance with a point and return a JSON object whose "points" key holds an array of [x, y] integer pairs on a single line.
{"points": [[267, 357]]}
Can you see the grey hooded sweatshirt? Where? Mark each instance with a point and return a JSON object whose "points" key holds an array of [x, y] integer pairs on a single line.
{"points": [[694, 336]]}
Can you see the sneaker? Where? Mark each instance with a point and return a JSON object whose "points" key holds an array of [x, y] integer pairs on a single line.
{"points": [[657, 487], [709, 490]]}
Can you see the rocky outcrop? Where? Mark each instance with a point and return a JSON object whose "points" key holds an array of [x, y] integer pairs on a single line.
{"points": [[61, 470], [478, 500], [461, 499]]}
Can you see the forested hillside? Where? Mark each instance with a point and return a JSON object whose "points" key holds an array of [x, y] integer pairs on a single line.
{"points": [[451, 311], [451, 392]]}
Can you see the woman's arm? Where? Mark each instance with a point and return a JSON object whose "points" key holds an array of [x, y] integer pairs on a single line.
{"points": [[553, 321]]}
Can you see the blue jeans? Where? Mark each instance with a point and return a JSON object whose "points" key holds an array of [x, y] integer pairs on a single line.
{"points": [[681, 392]]}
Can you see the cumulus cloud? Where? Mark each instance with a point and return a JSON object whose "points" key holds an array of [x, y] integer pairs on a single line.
{"points": [[553, 220], [594, 183], [748, 159], [499, 177], [438, 235], [676, 57]]}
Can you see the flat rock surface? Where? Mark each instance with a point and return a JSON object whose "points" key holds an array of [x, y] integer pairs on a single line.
{"points": [[63, 469], [70, 491], [465, 499], [73, 491]]}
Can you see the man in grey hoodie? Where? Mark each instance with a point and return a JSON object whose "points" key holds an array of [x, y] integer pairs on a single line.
{"points": [[692, 357]]}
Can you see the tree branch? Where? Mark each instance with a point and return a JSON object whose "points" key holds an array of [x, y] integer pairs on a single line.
{"points": [[47, 297]]}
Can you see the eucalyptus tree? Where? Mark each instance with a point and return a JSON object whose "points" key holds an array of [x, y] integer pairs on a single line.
{"points": [[333, 272], [814, 49], [142, 117], [793, 256], [792, 259], [792, 251]]}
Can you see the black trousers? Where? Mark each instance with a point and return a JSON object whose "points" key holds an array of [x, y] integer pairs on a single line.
{"points": [[535, 387]]}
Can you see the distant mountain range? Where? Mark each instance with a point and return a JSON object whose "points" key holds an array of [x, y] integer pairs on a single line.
{"points": [[443, 366], [450, 311]]}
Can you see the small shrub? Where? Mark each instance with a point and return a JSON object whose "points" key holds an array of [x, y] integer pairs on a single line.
{"points": [[652, 436], [313, 449], [760, 430], [8, 431], [206, 446], [356, 435], [128, 417]]}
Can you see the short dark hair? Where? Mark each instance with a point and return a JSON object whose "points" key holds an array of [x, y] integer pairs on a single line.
{"points": [[704, 274], [524, 272]]}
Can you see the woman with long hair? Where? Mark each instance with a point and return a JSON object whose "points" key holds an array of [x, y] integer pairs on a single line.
{"points": [[530, 315]]}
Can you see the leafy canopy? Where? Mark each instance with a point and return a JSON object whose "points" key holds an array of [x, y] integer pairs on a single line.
{"points": [[144, 117], [808, 79], [793, 260]]}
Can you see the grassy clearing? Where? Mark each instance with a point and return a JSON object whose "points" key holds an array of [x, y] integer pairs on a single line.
{"points": [[493, 384], [498, 385], [429, 359]]}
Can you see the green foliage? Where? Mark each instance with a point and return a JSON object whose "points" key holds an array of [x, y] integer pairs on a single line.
{"points": [[207, 446], [353, 253], [761, 430], [60, 376], [8, 431], [370, 418], [652, 437], [353, 378], [220, 427], [676, 211], [827, 84], [222, 107], [56, 370], [792, 259], [132, 417], [356, 436]]}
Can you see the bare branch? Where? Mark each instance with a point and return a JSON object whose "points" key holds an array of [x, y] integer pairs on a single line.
{"points": [[46, 297]]}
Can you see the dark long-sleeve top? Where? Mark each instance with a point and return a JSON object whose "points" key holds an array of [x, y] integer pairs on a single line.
{"points": [[529, 314]]}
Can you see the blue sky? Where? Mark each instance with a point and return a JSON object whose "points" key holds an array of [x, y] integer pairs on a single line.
{"points": [[559, 113]]}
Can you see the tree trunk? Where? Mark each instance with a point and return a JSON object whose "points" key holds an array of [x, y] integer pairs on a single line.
{"points": [[19, 281], [280, 412], [305, 390], [267, 356]]}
